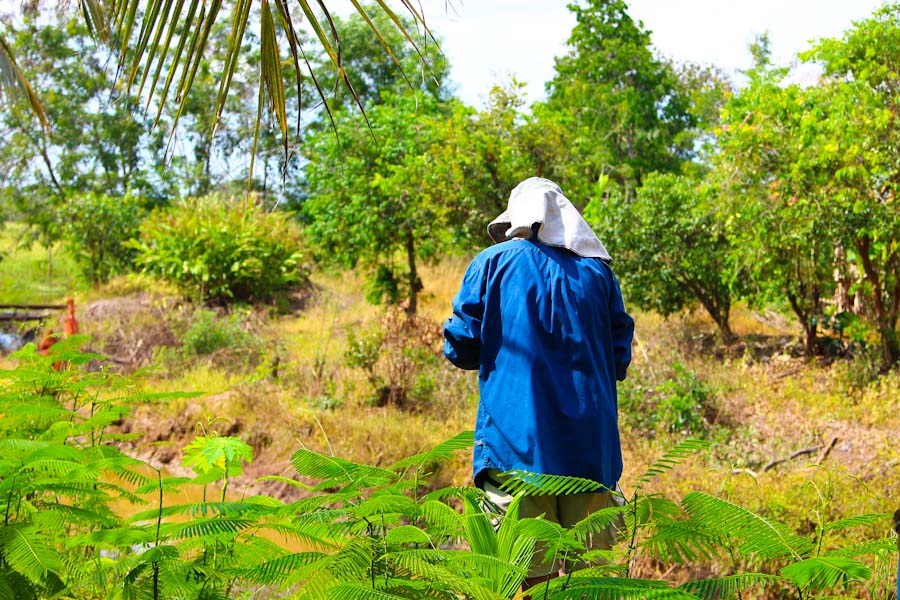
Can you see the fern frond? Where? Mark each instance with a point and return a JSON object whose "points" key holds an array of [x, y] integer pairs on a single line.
{"points": [[719, 588], [203, 509], [536, 484], [349, 591], [441, 518], [882, 548], [611, 588], [29, 552], [200, 528], [825, 572], [442, 452], [672, 458], [337, 471], [277, 570], [384, 504], [427, 571], [755, 534], [457, 491], [599, 521], [407, 534], [856, 521], [681, 542]]}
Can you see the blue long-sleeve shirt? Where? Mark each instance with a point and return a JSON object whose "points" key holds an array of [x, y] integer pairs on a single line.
{"points": [[549, 335]]}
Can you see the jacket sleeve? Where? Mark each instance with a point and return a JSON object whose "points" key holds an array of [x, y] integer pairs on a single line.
{"points": [[462, 331], [622, 326]]}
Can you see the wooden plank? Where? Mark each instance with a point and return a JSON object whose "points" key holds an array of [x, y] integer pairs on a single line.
{"points": [[35, 306]]}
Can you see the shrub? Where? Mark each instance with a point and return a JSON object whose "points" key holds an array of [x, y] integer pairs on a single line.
{"points": [[684, 403], [97, 231], [221, 250], [399, 360], [209, 333]]}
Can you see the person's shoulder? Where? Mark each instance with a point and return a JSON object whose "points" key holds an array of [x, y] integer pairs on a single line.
{"points": [[508, 248]]}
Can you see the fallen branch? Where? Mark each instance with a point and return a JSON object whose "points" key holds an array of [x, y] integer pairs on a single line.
{"points": [[796, 454], [828, 449]]}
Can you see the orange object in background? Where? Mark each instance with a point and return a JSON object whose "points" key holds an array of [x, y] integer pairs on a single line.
{"points": [[70, 327], [70, 324]]}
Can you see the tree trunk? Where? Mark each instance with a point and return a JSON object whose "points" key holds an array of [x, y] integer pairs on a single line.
{"points": [[415, 285], [890, 349]]}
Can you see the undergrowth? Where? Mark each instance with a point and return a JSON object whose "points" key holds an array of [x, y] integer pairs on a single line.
{"points": [[361, 531]]}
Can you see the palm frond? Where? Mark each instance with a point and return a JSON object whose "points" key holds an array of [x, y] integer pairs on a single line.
{"points": [[479, 529], [755, 534], [14, 85], [671, 458], [825, 572], [719, 588]]}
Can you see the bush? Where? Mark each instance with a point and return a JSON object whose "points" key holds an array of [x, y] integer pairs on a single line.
{"points": [[219, 250], [98, 229], [399, 360], [209, 333]]}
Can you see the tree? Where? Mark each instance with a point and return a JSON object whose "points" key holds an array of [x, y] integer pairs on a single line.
{"points": [[99, 141], [672, 247], [364, 199], [623, 107], [858, 145], [770, 141]]}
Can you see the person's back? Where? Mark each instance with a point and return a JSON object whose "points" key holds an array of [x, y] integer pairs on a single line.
{"points": [[553, 337], [540, 315]]}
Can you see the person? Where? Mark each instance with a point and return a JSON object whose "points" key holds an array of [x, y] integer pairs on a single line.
{"points": [[540, 315]]}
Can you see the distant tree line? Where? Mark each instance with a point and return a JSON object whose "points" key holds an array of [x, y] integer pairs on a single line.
{"points": [[774, 193]]}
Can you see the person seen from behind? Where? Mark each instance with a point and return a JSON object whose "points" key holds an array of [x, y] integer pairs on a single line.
{"points": [[540, 316]]}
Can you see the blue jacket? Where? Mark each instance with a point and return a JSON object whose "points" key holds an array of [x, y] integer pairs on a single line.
{"points": [[549, 335]]}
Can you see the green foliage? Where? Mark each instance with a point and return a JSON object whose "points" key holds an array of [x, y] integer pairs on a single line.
{"points": [[400, 359], [210, 332], [683, 403], [219, 250], [625, 113], [369, 531], [97, 229], [673, 248]]}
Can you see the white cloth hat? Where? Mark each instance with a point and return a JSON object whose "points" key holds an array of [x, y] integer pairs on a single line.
{"points": [[539, 201]]}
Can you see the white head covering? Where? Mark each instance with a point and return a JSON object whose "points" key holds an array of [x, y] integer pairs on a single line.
{"points": [[540, 201]]}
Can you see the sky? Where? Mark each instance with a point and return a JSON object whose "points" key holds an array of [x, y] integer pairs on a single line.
{"points": [[486, 41]]}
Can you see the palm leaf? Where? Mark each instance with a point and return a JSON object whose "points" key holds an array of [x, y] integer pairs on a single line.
{"points": [[825, 572], [13, 84], [718, 588]]}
